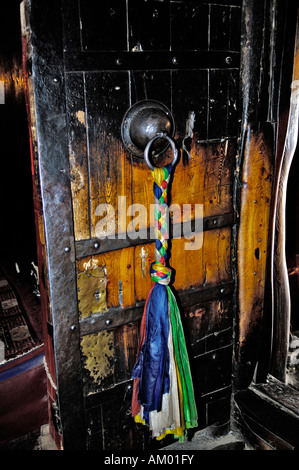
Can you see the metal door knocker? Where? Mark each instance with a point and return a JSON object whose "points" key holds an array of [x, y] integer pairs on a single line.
{"points": [[150, 143], [148, 125]]}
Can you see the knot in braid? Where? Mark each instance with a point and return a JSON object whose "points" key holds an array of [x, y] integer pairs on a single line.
{"points": [[159, 273]]}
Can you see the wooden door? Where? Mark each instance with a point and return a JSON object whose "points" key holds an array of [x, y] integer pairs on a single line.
{"points": [[86, 67]]}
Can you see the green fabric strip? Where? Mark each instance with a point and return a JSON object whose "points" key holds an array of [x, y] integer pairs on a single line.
{"points": [[157, 213], [180, 349], [166, 173]]}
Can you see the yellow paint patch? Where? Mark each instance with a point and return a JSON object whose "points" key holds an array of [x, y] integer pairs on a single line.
{"points": [[98, 353], [81, 117], [91, 286]]}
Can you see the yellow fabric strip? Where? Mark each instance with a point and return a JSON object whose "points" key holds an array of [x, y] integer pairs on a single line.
{"points": [[158, 175], [139, 420], [177, 431]]}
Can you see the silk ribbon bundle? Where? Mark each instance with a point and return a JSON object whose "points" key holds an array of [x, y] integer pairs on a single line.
{"points": [[163, 394]]}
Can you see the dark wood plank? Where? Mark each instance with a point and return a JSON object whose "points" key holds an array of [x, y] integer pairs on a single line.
{"points": [[223, 85], [48, 83], [209, 325], [105, 30], [71, 25], [78, 153], [107, 100], [285, 395], [151, 85], [224, 27], [212, 371], [274, 423], [125, 348], [189, 26], [110, 422], [149, 25], [190, 92]]}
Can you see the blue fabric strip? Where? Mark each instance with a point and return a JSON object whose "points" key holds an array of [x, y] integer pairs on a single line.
{"points": [[157, 191], [152, 366]]}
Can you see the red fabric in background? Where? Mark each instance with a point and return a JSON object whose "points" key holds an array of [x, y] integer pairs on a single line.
{"points": [[23, 396]]}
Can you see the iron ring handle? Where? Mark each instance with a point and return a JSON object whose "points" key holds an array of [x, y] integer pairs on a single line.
{"points": [[162, 135]]}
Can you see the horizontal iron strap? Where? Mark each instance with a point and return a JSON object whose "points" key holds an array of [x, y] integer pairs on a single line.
{"points": [[118, 316], [163, 60], [124, 240]]}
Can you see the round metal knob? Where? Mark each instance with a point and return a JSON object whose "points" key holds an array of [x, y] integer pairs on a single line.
{"points": [[147, 124], [142, 122]]}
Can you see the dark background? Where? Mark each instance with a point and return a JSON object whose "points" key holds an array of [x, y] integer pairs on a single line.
{"points": [[17, 230]]}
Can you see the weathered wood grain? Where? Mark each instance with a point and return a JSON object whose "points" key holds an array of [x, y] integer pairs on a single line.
{"points": [[253, 237]]}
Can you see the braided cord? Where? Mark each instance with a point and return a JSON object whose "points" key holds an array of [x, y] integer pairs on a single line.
{"points": [[159, 271]]}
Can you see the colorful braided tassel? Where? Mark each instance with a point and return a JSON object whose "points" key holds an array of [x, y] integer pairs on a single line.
{"points": [[163, 394]]}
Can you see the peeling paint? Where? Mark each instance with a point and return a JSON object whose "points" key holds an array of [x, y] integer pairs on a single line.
{"points": [[98, 354], [90, 264], [76, 174], [81, 117]]}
